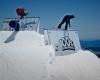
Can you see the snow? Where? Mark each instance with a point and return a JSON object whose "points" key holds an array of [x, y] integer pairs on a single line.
{"points": [[83, 65], [26, 57]]}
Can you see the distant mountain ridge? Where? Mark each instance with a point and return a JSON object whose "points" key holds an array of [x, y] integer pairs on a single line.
{"points": [[92, 45]]}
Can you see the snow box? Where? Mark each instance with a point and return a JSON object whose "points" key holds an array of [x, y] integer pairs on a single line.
{"points": [[64, 42]]}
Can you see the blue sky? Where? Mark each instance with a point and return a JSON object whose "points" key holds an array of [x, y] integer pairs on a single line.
{"points": [[51, 12]]}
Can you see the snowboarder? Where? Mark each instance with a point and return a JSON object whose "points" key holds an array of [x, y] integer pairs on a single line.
{"points": [[67, 20], [14, 25], [21, 12]]}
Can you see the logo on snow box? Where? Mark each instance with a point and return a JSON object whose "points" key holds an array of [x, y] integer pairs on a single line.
{"points": [[65, 43]]}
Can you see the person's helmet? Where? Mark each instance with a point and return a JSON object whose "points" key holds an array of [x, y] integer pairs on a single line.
{"points": [[72, 16]]}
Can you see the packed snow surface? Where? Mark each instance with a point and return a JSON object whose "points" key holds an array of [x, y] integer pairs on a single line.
{"points": [[26, 57]]}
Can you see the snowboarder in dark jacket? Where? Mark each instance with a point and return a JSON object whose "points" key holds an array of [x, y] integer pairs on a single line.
{"points": [[14, 25], [67, 20]]}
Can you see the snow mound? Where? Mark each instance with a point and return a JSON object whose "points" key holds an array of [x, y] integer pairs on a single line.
{"points": [[83, 65], [25, 57]]}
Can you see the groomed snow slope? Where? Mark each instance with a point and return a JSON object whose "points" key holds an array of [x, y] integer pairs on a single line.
{"points": [[26, 57], [83, 65]]}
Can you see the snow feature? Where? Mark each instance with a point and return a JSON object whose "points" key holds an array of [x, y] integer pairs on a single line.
{"points": [[83, 65], [26, 57]]}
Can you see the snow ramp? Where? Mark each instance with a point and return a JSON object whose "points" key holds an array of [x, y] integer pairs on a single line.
{"points": [[26, 57], [4, 35], [19, 36]]}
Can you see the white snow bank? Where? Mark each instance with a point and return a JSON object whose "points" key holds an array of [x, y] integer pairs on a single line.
{"points": [[24, 58], [27, 58], [4, 35], [83, 65]]}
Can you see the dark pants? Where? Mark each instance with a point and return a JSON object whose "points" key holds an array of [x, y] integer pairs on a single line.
{"points": [[65, 19]]}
